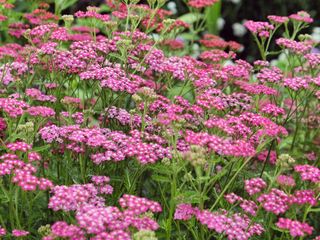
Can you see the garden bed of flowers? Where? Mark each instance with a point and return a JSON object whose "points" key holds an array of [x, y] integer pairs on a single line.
{"points": [[113, 127]]}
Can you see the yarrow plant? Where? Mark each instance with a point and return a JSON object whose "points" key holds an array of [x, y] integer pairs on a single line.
{"points": [[113, 127]]}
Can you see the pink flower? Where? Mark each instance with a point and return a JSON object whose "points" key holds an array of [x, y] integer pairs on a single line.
{"points": [[272, 110], [278, 19], [201, 3], [308, 173], [12, 107], [297, 83], [71, 197], [138, 205], [284, 180], [19, 233], [301, 16], [276, 201], [41, 111], [261, 29], [233, 198], [249, 207], [216, 55], [184, 212], [311, 156], [19, 146], [235, 227], [62, 229], [3, 18], [296, 228], [2, 231], [294, 46], [301, 197], [92, 14], [34, 156], [254, 185], [271, 75]]}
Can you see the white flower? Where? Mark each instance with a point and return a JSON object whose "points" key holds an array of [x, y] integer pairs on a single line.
{"points": [[238, 29], [316, 34], [172, 6], [220, 23]]}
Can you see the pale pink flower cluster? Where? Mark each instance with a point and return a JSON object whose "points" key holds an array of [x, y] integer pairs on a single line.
{"points": [[114, 145], [294, 46], [313, 59], [19, 146], [301, 197], [13, 107], [234, 226], [220, 145], [92, 14], [308, 173], [39, 96], [278, 19], [262, 29], [247, 206], [286, 181], [271, 75], [254, 185], [297, 83], [93, 217], [19, 233], [273, 110], [41, 111], [295, 228], [23, 173], [201, 3], [257, 89], [276, 201], [301, 16]]}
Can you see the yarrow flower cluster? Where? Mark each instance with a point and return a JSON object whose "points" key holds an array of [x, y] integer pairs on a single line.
{"points": [[294, 46], [254, 185], [235, 226], [308, 173], [296, 228], [115, 146], [262, 29], [95, 218], [201, 3], [276, 201], [23, 174]]}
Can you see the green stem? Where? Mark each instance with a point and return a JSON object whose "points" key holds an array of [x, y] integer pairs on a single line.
{"points": [[230, 182], [172, 206]]}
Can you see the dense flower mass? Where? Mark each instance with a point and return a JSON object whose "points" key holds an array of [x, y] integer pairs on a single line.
{"points": [[262, 29], [296, 228], [201, 3], [124, 122]]}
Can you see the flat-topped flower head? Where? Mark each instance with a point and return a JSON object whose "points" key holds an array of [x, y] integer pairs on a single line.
{"points": [[301, 16], [278, 19], [261, 29], [300, 48], [254, 185], [19, 146], [308, 173], [201, 3], [276, 201], [286, 181], [296, 228]]}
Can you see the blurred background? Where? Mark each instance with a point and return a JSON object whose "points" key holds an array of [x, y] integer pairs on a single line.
{"points": [[226, 17], [233, 13]]}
